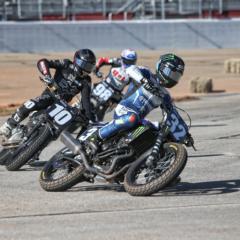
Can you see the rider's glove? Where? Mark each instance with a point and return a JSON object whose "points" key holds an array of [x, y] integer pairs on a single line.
{"points": [[98, 74], [189, 140], [117, 97], [48, 80], [150, 87]]}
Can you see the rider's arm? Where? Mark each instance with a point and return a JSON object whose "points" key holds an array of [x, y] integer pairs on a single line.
{"points": [[167, 101], [44, 65], [114, 62]]}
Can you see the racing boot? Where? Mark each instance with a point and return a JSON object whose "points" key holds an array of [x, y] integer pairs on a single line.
{"points": [[94, 142], [6, 130]]}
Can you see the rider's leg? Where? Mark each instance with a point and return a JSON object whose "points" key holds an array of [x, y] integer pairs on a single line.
{"points": [[123, 120], [23, 111], [119, 123]]}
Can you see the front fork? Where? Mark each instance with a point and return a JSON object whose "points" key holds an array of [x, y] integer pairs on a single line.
{"points": [[155, 150]]}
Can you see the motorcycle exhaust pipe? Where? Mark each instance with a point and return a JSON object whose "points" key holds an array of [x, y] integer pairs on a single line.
{"points": [[70, 142]]}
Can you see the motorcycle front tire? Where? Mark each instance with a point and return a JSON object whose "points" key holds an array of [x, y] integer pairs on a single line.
{"points": [[161, 181], [28, 149]]}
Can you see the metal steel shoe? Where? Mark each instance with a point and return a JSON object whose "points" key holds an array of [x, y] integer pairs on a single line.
{"points": [[16, 136], [5, 130]]}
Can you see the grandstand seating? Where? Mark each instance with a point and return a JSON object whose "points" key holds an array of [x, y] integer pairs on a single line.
{"points": [[100, 9]]}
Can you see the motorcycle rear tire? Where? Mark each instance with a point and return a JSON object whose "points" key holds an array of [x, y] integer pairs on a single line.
{"points": [[63, 183]]}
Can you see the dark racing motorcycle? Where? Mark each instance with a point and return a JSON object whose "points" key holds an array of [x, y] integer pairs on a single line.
{"points": [[106, 94], [146, 158], [42, 128]]}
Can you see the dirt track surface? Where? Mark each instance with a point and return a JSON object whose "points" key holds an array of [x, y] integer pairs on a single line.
{"points": [[205, 205], [19, 74]]}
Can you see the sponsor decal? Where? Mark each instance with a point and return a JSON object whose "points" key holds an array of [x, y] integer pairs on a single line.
{"points": [[119, 121], [29, 104], [16, 118], [138, 131]]}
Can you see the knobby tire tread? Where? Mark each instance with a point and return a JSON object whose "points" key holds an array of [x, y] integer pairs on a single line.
{"points": [[162, 181], [27, 152], [63, 183]]}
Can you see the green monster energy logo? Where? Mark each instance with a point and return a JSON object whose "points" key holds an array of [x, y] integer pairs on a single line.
{"points": [[169, 57], [138, 131]]}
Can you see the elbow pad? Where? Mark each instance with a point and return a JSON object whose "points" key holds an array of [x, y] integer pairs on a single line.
{"points": [[43, 67]]}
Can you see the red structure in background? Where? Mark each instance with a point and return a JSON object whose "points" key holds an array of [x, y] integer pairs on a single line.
{"points": [[120, 16], [87, 17]]}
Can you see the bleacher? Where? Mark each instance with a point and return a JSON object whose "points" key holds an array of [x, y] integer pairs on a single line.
{"points": [[116, 9]]}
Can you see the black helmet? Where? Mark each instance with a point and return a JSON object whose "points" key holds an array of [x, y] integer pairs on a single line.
{"points": [[84, 61], [169, 69]]}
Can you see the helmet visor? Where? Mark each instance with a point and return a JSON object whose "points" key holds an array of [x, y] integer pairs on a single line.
{"points": [[129, 61], [171, 74], [84, 66]]}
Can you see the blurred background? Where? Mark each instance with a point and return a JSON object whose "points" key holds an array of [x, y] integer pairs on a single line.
{"points": [[116, 9], [63, 25], [205, 33]]}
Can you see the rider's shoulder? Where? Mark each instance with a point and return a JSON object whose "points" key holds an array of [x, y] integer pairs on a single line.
{"points": [[66, 62], [146, 72]]}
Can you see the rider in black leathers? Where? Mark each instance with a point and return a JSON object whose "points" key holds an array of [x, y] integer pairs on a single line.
{"points": [[72, 77]]}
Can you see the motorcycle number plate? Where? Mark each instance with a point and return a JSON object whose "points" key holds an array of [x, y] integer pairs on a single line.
{"points": [[178, 128], [86, 135], [102, 92], [60, 115]]}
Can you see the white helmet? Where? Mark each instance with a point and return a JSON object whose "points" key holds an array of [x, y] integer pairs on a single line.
{"points": [[129, 57]]}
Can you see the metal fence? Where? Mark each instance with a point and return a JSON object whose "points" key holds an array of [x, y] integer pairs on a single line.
{"points": [[140, 9]]}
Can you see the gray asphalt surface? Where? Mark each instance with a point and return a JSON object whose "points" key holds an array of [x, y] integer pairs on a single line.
{"points": [[204, 205]]}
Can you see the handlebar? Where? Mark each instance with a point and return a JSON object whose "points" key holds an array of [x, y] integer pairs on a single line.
{"points": [[52, 87], [52, 90], [55, 95], [98, 74]]}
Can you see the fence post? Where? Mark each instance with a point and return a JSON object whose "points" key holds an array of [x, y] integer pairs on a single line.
{"points": [[143, 10], [125, 16], [163, 9], [40, 14], [19, 10], [64, 8], [200, 8], [154, 9], [104, 7], [180, 7], [220, 6], [110, 17]]}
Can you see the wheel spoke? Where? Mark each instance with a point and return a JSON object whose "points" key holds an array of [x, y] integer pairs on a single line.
{"points": [[147, 174], [60, 168]]}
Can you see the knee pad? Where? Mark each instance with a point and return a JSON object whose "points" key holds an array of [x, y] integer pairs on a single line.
{"points": [[128, 120], [30, 104], [25, 109]]}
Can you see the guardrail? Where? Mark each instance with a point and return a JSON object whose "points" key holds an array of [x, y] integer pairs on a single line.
{"points": [[169, 34]]}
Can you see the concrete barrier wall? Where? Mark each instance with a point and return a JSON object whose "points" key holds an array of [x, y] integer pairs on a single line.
{"points": [[172, 34]]}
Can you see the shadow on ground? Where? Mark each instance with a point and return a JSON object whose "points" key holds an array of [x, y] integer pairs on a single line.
{"points": [[181, 189], [202, 188]]}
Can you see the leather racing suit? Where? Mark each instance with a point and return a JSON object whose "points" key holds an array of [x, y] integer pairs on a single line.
{"points": [[138, 103], [69, 85]]}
